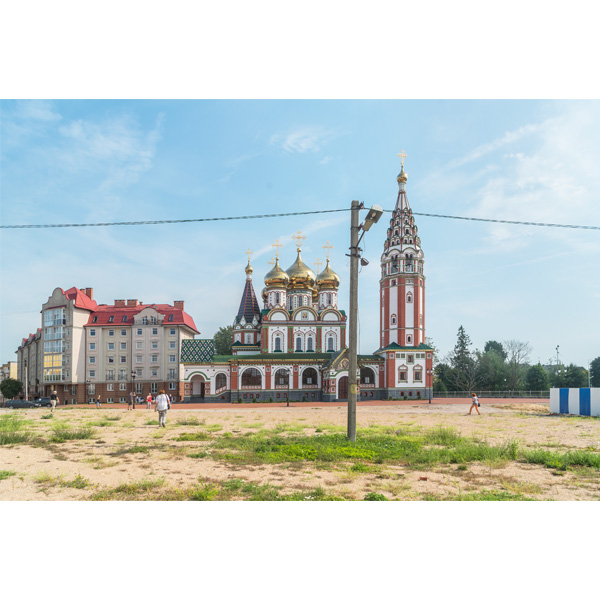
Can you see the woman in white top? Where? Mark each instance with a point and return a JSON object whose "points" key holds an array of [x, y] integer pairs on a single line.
{"points": [[162, 406], [475, 403]]}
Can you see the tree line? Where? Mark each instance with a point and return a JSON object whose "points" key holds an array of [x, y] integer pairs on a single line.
{"points": [[505, 366]]}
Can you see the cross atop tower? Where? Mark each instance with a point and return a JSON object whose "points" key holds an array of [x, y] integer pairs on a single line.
{"points": [[248, 252], [402, 156], [277, 245], [298, 238], [328, 247], [318, 263]]}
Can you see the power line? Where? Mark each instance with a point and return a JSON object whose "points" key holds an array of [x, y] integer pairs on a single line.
{"points": [[292, 214], [168, 221], [503, 221]]}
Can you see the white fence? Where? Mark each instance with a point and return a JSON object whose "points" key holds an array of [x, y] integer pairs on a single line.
{"points": [[575, 401]]}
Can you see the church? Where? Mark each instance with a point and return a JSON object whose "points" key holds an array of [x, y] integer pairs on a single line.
{"points": [[293, 349]]}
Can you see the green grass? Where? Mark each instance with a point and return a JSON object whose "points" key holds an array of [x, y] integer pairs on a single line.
{"points": [[131, 450], [137, 490], [198, 454], [189, 421], [193, 437], [482, 495], [62, 433], [6, 474], [48, 416], [12, 430]]}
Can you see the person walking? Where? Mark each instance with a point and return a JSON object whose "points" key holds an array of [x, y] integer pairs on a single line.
{"points": [[53, 400], [98, 401], [131, 405], [148, 400], [475, 403], [163, 404]]}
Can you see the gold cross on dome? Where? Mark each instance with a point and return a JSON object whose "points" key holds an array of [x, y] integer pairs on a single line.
{"points": [[402, 156], [248, 252], [298, 238], [328, 247], [318, 263], [277, 245]]}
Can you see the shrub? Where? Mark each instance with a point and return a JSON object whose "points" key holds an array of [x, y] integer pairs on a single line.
{"points": [[374, 496]]}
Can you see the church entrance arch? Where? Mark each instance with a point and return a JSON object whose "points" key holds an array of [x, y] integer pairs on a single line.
{"points": [[198, 386], [343, 388]]}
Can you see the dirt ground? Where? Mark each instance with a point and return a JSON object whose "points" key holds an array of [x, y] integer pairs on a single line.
{"points": [[35, 470]]}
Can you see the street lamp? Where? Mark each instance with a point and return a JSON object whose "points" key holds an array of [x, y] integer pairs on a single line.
{"points": [[373, 216], [133, 388]]}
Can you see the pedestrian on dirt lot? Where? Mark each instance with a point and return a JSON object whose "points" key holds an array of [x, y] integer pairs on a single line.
{"points": [[475, 403], [148, 401], [53, 400], [163, 404], [98, 401], [131, 405]]}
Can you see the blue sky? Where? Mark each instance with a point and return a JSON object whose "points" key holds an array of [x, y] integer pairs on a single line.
{"points": [[98, 161]]}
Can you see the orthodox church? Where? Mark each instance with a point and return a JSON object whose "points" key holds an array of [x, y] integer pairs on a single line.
{"points": [[294, 348]]}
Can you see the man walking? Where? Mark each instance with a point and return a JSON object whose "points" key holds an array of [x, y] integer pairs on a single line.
{"points": [[131, 405], [53, 400], [162, 406]]}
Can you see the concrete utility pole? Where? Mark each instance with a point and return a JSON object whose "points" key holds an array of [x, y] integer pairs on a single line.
{"points": [[353, 325]]}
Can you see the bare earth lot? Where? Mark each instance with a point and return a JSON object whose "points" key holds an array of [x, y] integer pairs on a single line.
{"points": [[128, 457]]}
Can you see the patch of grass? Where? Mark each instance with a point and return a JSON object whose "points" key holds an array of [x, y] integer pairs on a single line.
{"points": [[46, 479], [193, 437], [488, 496], [198, 454], [140, 490], [252, 425], [8, 438], [190, 421], [204, 493], [48, 416], [101, 423], [78, 482], [112, 418], [151, 421], [374, 496], [130, 450], [214, 427], [6, 474], [520, 487], [62, 433], [561, 461]]}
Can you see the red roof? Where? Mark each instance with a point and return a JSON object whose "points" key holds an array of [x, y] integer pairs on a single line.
{"points": [[81, 299], [104, 312]]}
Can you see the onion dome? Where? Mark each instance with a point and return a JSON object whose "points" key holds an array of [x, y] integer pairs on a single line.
{"points": [[402, 176], [328, 278], [249, 270], [301, 276], [277, 277]]}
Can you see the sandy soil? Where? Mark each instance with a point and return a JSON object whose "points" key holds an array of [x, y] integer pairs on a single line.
{"points": [[98, 459]]}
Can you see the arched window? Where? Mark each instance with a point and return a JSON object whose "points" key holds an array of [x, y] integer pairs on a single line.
{"points": [[251, 377], [282, 377], [221, 381], [298, 344], [418, 374], [330, 343], [329, 299], [277, 297], [309, 377], [403, 373], [409, 298], [394, 264], [277, 344], [367, 376], [393, 319], [309, 345], [300, 300]]}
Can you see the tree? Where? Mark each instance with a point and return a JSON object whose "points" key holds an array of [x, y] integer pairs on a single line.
{"points": [[518, 354], [442, 378], [575, 377], [435, 351], [537, 379], [10, 388], [595, 372], [493, 346], [464, 374], [492, 370], [223, 340]]}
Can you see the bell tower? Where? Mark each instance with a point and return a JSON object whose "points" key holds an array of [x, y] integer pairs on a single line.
{"points": [[402, 284]]}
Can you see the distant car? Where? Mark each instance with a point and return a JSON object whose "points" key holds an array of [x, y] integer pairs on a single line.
{"points": [[18, 403], [42, 401]]}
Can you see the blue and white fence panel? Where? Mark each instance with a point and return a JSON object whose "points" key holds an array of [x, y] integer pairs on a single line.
{"points": [[575, 401]]}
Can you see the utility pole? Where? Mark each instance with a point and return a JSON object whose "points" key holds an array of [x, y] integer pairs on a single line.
{"points": [[353, 326]]}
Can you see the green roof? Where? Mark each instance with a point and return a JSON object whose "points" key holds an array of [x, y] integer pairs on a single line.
{"points": [[394, 346]]}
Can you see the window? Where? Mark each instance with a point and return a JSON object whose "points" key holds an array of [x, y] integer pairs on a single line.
{"points": [[154, 358], [282, 377], [154, 345], [367, 376], [155, 331], [221, 381], [111, 333], [122, 400], [124, 320], [329, 299], [111, 360], [92, 373], [309, 345], [278, 344], [173, 374], [330, 343], [139, 346], [300, 300], [92, 360], [122, 359], [122, 375], [172, 331], [122, 387], [417, 375], [123, 345], [92, 332], [172, 385], [409, 339], [172, 345], [309, 377], [110, 401], [409, 298], [138, 358], [171, 318], [111, 318], [298, 344], [139, 386], [277, 297], [111, 346], [393, 319], [251, 377], [123, 332], [154, 372], [92, 345], [109, 387], [154, 388], [95, 320], [172, 358], [410, 359], [403, 372], [138, 332], [110, 375]]}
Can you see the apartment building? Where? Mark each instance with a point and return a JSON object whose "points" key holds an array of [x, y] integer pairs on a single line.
{"points": [[7, 371], [85, 349]]}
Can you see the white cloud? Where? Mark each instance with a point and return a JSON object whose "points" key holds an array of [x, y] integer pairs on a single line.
{"points": [[326, 159], [304, 139]]}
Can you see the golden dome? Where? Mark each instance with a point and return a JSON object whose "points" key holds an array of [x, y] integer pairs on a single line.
{"points": [[328, 278], [402, 176], [249, 270], [277, 277], [301, 276]]}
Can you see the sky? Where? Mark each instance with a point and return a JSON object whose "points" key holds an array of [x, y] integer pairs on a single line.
{"points": [[91, 161]]}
